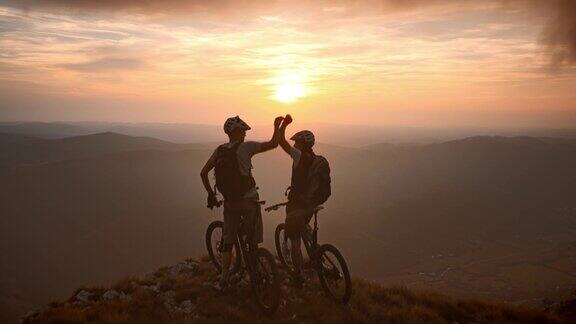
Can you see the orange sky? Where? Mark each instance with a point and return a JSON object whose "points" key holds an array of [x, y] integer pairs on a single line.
{"points": [[451, 63]]}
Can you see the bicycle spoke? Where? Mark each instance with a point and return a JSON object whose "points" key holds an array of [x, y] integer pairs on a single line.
{"points": [[217, 244], [287, 250], [333, 275], [263, 278]]}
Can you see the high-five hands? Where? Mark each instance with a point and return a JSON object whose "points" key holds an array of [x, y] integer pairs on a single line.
{"points": [[287, 120], [278, 121]]}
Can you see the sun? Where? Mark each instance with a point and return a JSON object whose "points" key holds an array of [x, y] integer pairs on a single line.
{"points": [[289, 86], [289, 92]]}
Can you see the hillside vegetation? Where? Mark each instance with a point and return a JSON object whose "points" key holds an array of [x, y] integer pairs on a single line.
{"points": [[183, 294]]}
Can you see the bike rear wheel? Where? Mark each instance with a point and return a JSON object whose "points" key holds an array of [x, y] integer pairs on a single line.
{"points": [[214, 236], [333, 273], [265, 281]]}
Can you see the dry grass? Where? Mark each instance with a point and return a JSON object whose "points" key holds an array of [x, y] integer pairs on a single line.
{"points": [[370, 303]]}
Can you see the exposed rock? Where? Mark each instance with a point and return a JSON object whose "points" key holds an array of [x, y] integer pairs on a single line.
{"points": [[155, 288], [115, 295], [84, 296], [169, 305], [186, 307], [168, 295], [187, 266], [30, 316]]}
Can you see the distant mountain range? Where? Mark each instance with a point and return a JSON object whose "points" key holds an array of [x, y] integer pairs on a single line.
{"points": [[337, 134], [489, 217], [23, 149]]}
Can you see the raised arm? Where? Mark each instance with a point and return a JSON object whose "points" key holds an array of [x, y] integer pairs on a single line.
{"points": [[273, 142], [282, 134]]}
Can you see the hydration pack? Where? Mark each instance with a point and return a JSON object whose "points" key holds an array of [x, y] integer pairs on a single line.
{"points": [[320, 182], [311, 183], [230, 182]]}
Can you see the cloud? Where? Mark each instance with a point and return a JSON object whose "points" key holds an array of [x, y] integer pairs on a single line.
{"points": [[106, 64], [149, 7], [558, 33], [406, 59]]}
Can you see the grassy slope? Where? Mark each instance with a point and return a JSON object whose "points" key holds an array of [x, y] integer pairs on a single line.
{"points": [[160, 298]]}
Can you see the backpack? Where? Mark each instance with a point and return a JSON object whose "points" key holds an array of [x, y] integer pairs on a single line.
{"points": [[319, 189], [230, 182]]}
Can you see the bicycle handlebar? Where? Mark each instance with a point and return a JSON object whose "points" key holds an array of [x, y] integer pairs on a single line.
{"points": [[275, 207], [219, 203]]}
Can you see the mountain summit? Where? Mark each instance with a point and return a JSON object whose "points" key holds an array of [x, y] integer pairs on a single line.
{"points": [[183, 293]]}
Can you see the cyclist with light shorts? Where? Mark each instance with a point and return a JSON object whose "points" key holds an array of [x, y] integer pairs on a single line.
{"points": [[232, 162]]}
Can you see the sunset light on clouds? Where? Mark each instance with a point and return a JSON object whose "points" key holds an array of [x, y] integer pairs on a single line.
{"points": [[364, 62]]}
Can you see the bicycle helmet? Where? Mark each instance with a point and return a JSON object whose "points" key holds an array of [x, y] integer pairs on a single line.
{"points": [[234, 123], [304, 136]]}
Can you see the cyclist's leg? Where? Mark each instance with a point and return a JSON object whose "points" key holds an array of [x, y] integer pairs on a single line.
{"points": [[296, 219], [252, 224], [296, 254], [230, 231]]}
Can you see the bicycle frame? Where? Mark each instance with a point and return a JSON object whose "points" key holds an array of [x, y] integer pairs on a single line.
{"points": [[246, 249], [325, 259], [310, 237], [311, 243]]}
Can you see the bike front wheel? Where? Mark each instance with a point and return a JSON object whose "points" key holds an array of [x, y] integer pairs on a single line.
{"points": [[214, 241], [265, 281], [333, 273], [283, 247]]}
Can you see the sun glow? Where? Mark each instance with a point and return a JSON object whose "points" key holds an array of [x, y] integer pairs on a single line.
{"points": [[288, 93], [289, 87]]}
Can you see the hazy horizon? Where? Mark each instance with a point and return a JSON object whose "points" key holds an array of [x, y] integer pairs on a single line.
{"points": [[328, 133], [263, 125]]}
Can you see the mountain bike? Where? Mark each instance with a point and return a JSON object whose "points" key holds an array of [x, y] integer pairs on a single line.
{"points": [[249, 259], [325, 259]]}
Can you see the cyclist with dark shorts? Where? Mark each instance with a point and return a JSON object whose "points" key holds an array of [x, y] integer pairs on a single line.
{"points": [[232, 162], [303, 195]]}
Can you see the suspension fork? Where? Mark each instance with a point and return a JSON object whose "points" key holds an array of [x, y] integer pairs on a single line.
{"points": [[248, 252], [315, 231]]}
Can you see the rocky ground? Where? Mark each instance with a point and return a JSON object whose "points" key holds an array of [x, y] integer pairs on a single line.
{"points": [[184, 293]]}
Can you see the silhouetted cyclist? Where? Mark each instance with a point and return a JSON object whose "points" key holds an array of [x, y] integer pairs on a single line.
{"points": [[232, 162], [309, 187]]}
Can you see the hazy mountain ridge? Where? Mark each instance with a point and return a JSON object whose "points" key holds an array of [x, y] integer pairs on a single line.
{"points": [[135, 209], [43, 129], [339, 134], [19, 149]]}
